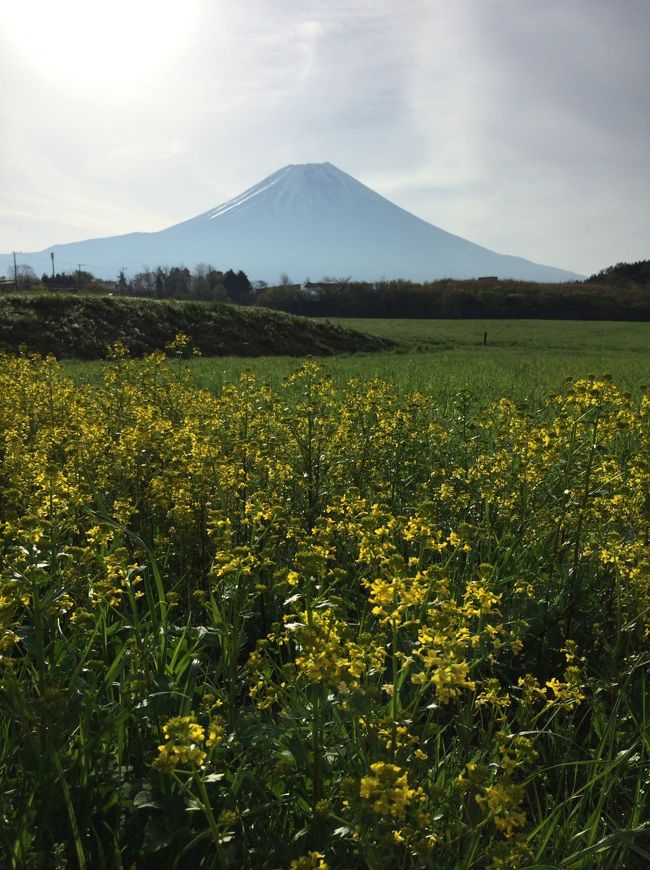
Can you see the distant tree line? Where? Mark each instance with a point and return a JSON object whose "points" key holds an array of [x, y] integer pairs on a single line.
{"points": [[620, 292], [205, 283], [79, 280], [492, 298], [624, 273]]}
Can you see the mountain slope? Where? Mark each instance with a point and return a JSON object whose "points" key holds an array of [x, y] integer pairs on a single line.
{"points": [[305, 220]]}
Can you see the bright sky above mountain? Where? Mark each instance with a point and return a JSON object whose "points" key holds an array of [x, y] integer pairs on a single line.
{"points": [[522, 126]]}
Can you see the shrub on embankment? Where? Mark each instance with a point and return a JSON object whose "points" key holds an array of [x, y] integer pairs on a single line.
{"points": [[83, 326]]}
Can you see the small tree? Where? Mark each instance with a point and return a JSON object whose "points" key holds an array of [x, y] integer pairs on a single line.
{"points": [[144, 283], [122, 284], [25, 276], [179, 283], [238, 287], [207, 284]]}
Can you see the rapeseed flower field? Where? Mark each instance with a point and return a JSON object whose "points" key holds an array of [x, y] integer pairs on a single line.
{"points": [[318, 626]]}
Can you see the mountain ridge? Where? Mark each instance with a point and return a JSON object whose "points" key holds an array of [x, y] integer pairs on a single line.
{"points": [[306, 220]]}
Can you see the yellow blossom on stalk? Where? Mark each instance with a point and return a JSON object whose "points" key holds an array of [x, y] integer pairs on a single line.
{"points": [[567, 694], [265, 693], [216, 732], [324, 652], [392, 599], [446, 669], [448, 679], [390, 734], [310, 861], [570, 649], [8, 639], [493, 694], [179, 342], [512, 854], [502, 802], [388, 790], [183, 737], [531, 689], [516, 750], [479, 600]]}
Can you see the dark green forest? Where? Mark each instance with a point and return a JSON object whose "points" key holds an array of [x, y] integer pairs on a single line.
{"points": [[620, 292]]}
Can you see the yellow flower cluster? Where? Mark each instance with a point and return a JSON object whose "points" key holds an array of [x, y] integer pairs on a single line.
{"points": [[388, 790], [310, 861], [396, 601], [186, 742], [182, 747], [502, 801], [325, 653]]}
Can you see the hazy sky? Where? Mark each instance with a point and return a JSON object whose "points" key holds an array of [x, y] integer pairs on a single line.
{"points": [[519, 125]]}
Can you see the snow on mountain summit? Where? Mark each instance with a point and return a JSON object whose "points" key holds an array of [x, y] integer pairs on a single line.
{"points": [[309, 219], [302, 186]]}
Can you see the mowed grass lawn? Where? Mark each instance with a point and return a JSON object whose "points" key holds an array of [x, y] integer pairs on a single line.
{"points": [[523, 359]]}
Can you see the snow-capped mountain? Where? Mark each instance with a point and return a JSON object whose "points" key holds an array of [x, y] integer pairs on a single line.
{"points": [[305, 220]]}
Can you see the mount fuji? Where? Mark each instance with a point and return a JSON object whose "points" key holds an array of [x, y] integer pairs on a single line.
{"points": [[304, 220]]}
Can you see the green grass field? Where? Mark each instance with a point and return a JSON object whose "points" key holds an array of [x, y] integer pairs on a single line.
{"points": [[523, 358], [523, 334]]}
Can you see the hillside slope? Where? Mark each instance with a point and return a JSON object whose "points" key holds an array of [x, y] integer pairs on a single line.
{"points": [[83, 326]]}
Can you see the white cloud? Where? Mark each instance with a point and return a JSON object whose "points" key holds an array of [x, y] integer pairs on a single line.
{"points": [[519, 126]]}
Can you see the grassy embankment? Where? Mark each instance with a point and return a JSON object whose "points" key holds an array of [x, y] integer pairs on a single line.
{"points": [[82, 327]]}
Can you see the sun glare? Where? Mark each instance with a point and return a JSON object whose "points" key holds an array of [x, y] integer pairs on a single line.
{"points": [[94, 40]]}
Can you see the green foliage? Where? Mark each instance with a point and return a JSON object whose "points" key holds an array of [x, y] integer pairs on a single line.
{"points": [[614, 299], [177, 282], [71, 281], [623, 274], [84, 326], [320, 625]]}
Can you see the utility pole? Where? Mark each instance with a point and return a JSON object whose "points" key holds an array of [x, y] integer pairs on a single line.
{"points": [[15, 273], [79, 276], [52, 256]]}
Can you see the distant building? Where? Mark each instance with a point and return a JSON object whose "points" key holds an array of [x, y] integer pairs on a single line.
{"points": [[311, 288]]}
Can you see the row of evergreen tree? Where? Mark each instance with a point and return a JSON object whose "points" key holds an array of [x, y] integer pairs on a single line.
{"points": [[205, 283], [176, 282]]}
